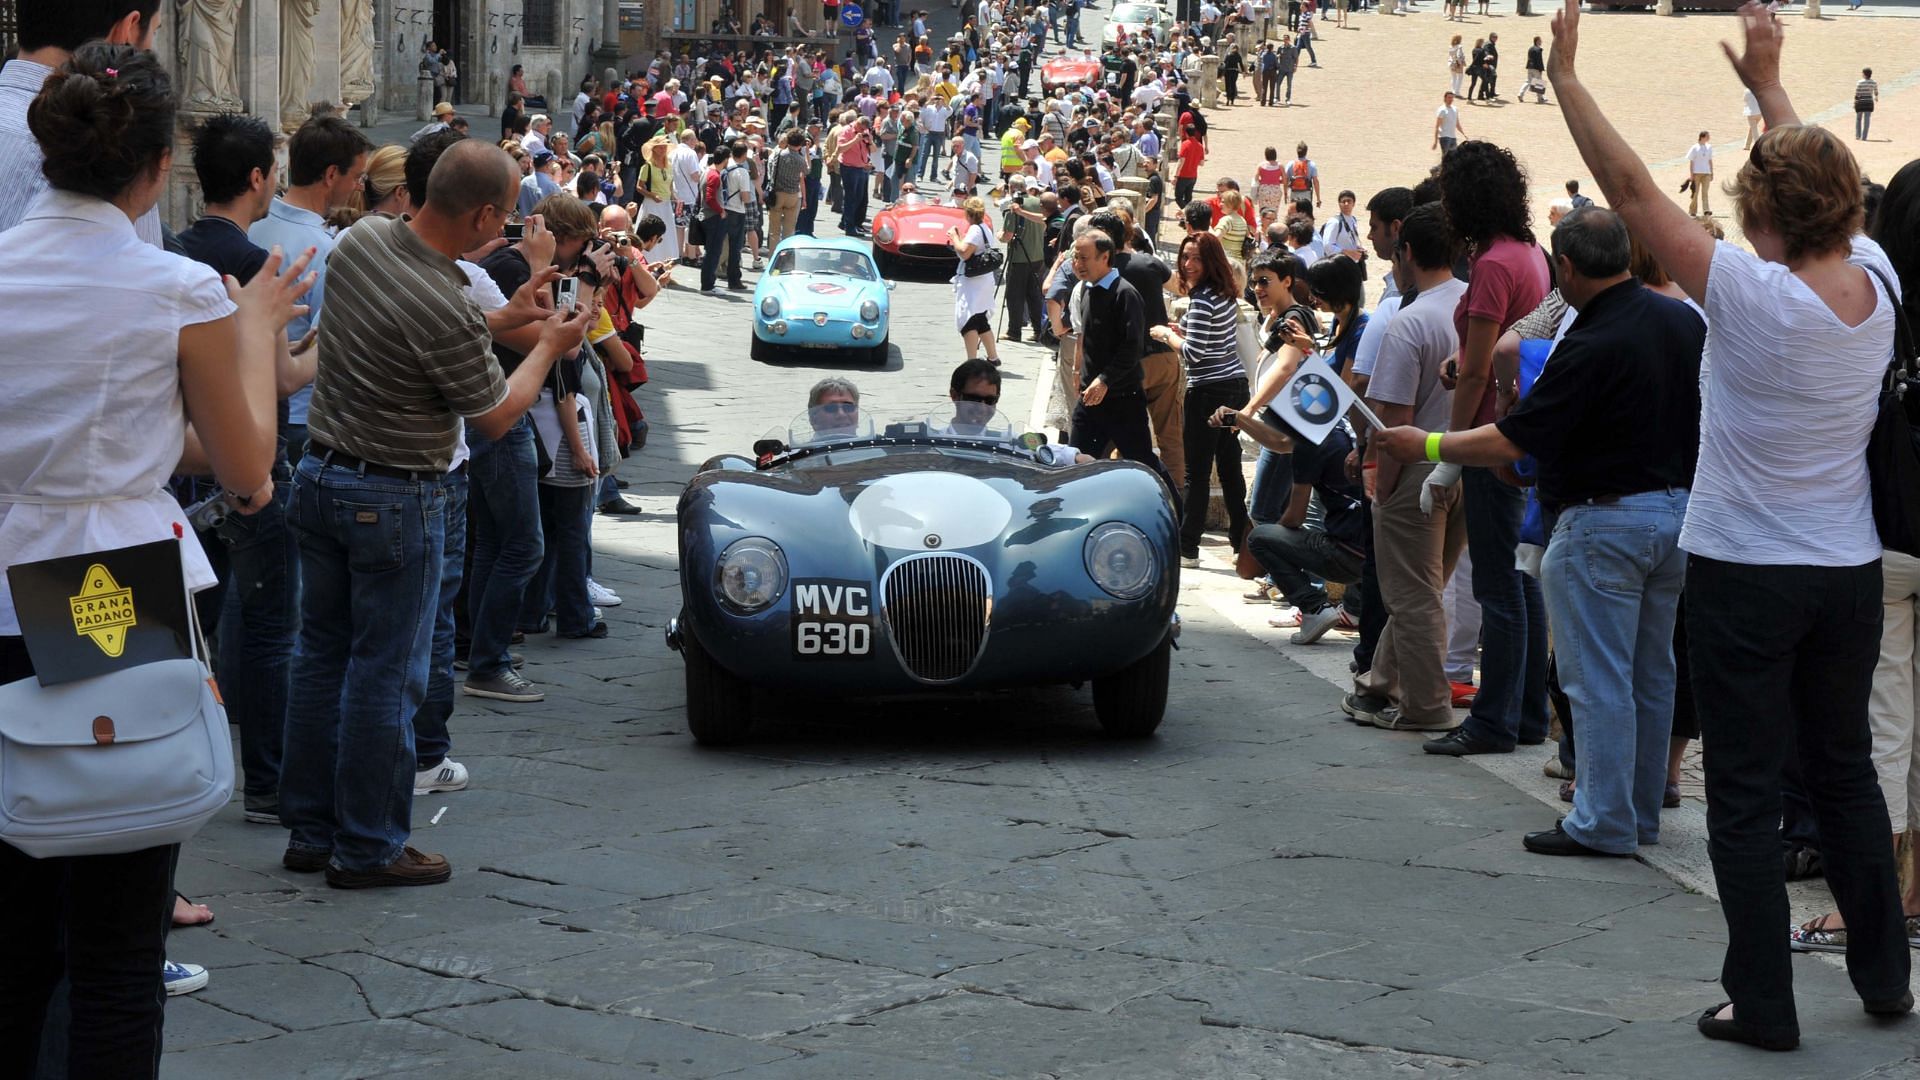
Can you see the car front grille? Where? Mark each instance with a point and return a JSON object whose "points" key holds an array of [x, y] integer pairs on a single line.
{"points": [[926, 251], [937, 607]]}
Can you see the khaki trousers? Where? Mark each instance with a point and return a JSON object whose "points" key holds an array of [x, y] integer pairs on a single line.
{"points": [[1415, 553], [1164, 382], [783, 210], [1700, 199]]}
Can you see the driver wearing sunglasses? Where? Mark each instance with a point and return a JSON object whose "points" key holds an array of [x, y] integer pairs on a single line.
{"points": [[834, 405]]}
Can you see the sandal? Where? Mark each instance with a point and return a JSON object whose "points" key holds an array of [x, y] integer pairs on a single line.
{"points": [[1731, 1030], [1818, 935], [181, 898], [1566, 791]]}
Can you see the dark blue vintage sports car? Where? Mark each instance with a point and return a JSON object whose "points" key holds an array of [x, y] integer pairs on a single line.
{"points": [[944, 553]]}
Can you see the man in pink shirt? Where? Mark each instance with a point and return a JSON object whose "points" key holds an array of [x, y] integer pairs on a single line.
{"points": [[856, 161]]}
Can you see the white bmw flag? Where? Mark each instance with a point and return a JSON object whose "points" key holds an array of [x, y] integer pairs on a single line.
{"points": [[1314, 400]]}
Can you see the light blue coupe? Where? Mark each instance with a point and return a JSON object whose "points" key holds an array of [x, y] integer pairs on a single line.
{"points": [[821, 295]]}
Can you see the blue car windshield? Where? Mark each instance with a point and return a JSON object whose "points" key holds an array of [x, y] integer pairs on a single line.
{"points": [[806, 260]]}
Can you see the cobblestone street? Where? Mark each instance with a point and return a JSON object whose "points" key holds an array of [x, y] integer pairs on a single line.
{"points": [[986, 886]]}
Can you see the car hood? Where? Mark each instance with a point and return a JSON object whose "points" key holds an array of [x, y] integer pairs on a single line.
{"points": [[926, 224], [820, 291]]}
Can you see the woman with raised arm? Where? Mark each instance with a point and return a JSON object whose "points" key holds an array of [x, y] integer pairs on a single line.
{"points": [[1783, 573]]}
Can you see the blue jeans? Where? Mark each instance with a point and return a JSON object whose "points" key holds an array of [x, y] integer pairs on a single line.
{"points": [[855, 183], [1073, 29], [1612, 576], [507, 542], [803, 226], [369, 586], [431, 742], [255, 637], [1511, 704], [1272, 487], [729, 232], [932, 143], [560, 585]]}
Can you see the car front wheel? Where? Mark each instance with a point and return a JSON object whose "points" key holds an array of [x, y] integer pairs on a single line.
{"points": [[878, 355], [762, 349], [719, 706], [1130, 702]]}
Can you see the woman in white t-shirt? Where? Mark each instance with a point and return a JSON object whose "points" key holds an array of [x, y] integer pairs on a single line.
{"points": [[86, 447], [973, 296], [1783, 577]]}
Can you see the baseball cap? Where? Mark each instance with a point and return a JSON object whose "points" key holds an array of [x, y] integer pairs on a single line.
{"points": [[541, 157], [1030, 144]]}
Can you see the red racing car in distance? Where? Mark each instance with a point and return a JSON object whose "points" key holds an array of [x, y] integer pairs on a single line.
{"points": [[913, 233], [1070, 71]]}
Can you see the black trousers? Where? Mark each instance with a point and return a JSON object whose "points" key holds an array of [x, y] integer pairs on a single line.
{"points": [[1779, 654], [1211, 449], [101, 922], [1365, 599], [1183, 190], [1119, 422], [1025, 306]]}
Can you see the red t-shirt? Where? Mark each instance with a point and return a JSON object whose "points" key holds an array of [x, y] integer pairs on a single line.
{"points": [[1509, 279], [1246, 211], [1191, 155]]}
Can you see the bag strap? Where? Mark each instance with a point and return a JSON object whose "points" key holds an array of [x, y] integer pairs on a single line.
{"points": [[1904, 362]]}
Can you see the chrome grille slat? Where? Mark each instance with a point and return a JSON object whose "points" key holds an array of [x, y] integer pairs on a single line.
{"points": [[936, 607]]}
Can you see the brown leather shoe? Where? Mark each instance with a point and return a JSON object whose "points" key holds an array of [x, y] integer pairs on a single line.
{"points": [[411, 868], [301, 861]]}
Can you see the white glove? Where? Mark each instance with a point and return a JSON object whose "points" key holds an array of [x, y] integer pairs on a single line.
{"points": [[1443, 476]]}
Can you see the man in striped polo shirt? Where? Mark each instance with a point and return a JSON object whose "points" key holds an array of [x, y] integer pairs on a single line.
{"points": [[404, 354]]}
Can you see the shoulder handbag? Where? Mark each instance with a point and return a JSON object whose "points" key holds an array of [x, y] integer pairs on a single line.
{"points": [[987, 260], [134, 759], [1893, 449]]}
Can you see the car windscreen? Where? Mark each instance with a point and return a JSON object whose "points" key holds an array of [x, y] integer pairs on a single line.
{"points": [[805, 260], [1135, 13]]}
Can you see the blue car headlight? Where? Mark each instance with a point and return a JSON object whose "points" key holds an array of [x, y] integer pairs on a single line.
{"points": [[1120, 560], [770, 306], [750, 574], [869, 311]]}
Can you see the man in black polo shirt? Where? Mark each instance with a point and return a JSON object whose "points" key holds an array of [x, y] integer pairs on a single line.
{"points": [[1614, 423], [1112, 411], [233, 160], [1162, 380]]}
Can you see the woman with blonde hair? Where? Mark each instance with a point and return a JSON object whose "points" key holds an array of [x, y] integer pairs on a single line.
{"points": [[384, 189], [1456, 61], [973, 295], [1232, 231], [1784, 584], [653, 187]]}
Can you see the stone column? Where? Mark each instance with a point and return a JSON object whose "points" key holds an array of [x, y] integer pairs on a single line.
{"points": [[356, 54], [1813, 9]]}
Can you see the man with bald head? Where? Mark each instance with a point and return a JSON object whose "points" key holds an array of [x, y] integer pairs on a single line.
{"points": [[404, 356]]}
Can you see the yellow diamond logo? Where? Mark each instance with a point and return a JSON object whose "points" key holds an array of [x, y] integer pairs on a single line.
{"points": [[103, 610]]}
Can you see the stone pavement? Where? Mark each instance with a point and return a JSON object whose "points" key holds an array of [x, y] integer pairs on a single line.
{"points": [[933, 890]]}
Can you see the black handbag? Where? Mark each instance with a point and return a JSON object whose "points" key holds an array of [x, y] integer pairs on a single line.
{"points": [[1893, 449], [985, 261]]}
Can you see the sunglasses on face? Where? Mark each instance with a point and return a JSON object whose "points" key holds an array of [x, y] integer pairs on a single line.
{"points": [[838, 408], [981, 399]]}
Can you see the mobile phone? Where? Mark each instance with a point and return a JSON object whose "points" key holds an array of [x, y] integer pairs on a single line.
{"points": [[515, 230], [566, 294]]}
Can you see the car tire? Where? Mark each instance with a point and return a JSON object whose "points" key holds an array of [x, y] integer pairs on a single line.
{"points": [[877, 356], [762, 349], [719, 706], [1130, 702], [884, 262]]}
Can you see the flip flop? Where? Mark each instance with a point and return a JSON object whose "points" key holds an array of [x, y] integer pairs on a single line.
{"points": [[208, 921], [1815, 936]]}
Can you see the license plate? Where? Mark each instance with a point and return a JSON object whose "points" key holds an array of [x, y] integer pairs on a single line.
{"points": [[832, 619]]}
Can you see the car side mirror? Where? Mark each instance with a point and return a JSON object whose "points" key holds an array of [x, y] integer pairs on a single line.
{"points": [[891, 285]]}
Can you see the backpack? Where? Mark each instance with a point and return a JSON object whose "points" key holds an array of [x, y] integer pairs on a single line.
{"points": [[1299, 176]]}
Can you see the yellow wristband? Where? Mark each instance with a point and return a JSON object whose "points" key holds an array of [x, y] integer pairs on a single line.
{"points": [[1433, 445]]}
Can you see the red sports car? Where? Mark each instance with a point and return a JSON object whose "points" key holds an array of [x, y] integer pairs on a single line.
{"points": [[1070, 71], [913, 233]]}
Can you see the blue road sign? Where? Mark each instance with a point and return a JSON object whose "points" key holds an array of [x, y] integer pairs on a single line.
{"points": [[850, 13]]}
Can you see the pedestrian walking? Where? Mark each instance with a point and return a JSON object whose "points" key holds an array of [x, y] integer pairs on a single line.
{"points": [[1446, 125], [1750, 108], [1476, 68], [1866, 94], [1700, 177], [974, 285], [1536, 71], [1456, 58]]}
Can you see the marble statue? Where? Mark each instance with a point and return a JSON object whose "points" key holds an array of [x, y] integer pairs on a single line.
{"points": [[207, 55], [356, 50], [296, 60]]}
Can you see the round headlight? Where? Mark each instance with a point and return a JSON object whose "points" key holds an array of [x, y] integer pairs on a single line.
{"points": [[751, 574], [884, 234], [770, 306], [1120, 560], [869, 311]]}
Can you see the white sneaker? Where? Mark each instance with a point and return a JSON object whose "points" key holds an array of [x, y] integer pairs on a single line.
{"points": [[601, 595], [182, 978], [1189, 562], [449, 775], [1314, 626]]}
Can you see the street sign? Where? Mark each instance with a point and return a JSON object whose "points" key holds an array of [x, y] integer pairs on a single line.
{"points": [[850, 14]]}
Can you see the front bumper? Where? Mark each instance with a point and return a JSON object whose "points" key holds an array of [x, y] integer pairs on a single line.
{"points": [[804, 332]]}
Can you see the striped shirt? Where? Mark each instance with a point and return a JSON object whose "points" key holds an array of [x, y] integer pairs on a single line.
{"points": [[403, 351], [1209, 330], [1865, 93]]}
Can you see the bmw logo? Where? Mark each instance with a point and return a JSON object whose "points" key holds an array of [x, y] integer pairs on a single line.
{"points": [[933, 540], [1315, 399]]}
